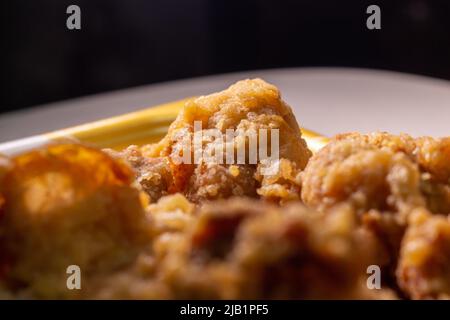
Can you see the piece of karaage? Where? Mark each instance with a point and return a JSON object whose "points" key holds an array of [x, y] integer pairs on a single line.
{"points": [[251, 109]]}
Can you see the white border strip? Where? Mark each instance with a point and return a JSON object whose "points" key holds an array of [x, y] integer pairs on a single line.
{"points": [[22, 145]]}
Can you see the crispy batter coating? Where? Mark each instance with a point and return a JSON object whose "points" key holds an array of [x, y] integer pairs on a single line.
{"points": [[375, 171], [67, 205], [245, 107], [384, 177], [241, 249], [153, 174], [423, 270], [433, 157]]}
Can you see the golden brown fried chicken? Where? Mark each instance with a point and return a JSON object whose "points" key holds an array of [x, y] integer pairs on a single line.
{"points": [[241, 249], [67, 205], [380, 171], [153, 174], [351, 168], [384, 177], [433, 157], [247, 249], [246, 107], [203, 237], [423, 270]]}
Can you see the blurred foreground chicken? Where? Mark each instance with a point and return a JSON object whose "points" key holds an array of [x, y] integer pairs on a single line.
{"points": [[66, 205], [72, 205]]}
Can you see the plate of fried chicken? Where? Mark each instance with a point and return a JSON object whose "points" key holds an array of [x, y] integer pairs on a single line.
{"points": [[140, 225]]}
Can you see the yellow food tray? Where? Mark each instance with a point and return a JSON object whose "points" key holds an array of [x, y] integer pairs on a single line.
{"points": [[144, 126]]}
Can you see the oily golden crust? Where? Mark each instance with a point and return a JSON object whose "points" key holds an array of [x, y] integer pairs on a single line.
{"points": [[245, 107], [423, 271], [380, 171], [67, 205]]}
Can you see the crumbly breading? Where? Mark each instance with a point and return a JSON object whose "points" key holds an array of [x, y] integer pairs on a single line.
{"points": [[423, 270], [241, 249], [247, 249], [384, 177], [153, 174], [69, 204], [433, 158], [211, 181], [245, 107], [74, 205], [389, 229], [380, 171]]}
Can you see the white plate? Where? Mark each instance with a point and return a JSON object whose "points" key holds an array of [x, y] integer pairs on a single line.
{"points": [[327, 100]]}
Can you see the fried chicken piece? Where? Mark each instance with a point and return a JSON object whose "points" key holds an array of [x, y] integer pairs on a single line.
{"points": [[74, 205], [246, 107], [354, 170], [67, 205], [380, 171], [210, 181], [172, 216], [423, 271], [433, 156], [153, 174], [173, 213], [242, 249], [384, 177], [389, 228]]}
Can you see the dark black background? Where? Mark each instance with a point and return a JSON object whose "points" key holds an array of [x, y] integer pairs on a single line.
{"points": [[125, 43]]}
